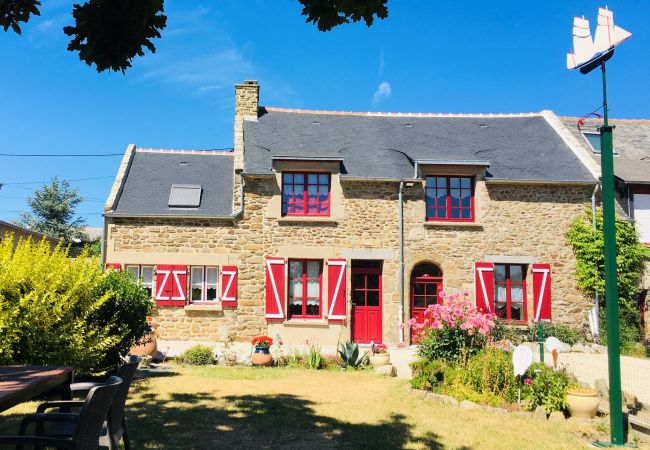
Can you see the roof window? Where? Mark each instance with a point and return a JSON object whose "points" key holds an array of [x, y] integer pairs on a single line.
{"points": [[185, 195], [593, 139]]}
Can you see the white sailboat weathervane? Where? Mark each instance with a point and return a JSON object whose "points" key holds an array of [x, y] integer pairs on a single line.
{"points": [[586, 51]]}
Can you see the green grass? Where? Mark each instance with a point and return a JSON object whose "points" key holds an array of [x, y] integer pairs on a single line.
{"points": [[221, 407]]}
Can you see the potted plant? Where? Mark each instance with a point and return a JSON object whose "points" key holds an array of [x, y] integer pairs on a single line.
{"points": [[582, 402], [147, 344], [379, 355], [262, 356]]}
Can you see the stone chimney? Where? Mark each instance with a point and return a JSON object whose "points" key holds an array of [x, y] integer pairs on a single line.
{"points": [[247, 98]]}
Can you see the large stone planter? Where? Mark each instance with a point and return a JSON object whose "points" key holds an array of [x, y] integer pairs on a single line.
{"points": [[583, 402], [146, 345], [379, 359]]}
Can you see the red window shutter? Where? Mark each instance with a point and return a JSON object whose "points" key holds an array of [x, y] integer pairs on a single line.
{"points": [[229, 286], [484, 286], [171, 285], [114, 266], [336, 280], [541, 292], [275, 289]]}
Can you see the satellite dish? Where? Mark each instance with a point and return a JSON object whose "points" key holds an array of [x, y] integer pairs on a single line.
{"points": [[587, 53], [553, 343], [522, 358]]}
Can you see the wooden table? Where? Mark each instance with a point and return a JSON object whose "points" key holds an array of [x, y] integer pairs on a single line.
{"points": [[22, 383]]}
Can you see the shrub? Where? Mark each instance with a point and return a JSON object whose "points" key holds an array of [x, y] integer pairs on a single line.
{"points": [[453, 331], [503, 332], [429, 374], [127, 309], [546, 387], [314, 359], [564, 333], [490, 372], [199, 355]]}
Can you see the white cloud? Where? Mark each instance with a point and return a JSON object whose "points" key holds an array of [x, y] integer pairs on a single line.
{"points": [[383, 92]]}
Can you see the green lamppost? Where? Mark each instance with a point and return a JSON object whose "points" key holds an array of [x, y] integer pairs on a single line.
{"points": [[587, 56]]}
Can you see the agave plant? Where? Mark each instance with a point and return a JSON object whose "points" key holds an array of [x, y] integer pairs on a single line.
{"points": [[349, 353]]}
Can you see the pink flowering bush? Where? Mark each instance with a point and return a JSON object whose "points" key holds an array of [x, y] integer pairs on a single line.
{"points": [[453, 331]]}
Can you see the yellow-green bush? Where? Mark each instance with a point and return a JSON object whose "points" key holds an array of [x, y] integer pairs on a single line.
{"points": [[53, 309]]}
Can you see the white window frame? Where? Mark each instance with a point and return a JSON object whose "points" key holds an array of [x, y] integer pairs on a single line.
{"points": [[139, 276], [204, 285]]}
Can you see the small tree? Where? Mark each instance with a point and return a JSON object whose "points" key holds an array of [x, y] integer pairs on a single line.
{"points": [[53, 211], [588, 247]]}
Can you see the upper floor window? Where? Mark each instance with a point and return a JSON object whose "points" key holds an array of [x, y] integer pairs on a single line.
{"points": [[304, 288], [450, 198], [305, 194], [510, 291]]}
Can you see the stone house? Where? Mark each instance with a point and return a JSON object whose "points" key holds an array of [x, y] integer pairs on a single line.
{"points": [[17, 232], [333, 226]]}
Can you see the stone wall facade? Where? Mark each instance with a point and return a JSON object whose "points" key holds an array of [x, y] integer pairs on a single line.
{"points": [[513, 220]]}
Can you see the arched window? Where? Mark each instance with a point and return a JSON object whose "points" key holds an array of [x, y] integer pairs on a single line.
{"points": [[426, 284]]}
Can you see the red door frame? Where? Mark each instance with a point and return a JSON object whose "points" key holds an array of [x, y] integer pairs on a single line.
{"points": [[417, 313], [377, 309]]}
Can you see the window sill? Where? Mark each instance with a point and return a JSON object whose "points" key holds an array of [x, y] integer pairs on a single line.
{"points": [[450, 224], [303, 219], [203, 307], [306, 323]]}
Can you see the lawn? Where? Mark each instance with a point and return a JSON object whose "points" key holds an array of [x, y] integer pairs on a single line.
{"points": [[215, 407]]}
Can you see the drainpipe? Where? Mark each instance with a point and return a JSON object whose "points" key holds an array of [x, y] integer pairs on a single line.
{"points": [[400, 279], [597, 300]]}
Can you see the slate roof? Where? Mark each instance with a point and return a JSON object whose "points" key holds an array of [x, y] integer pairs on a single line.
{"points": [[151, 174], [631, 144], [374, 145]]}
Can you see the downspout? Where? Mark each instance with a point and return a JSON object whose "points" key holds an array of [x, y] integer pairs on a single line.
{"points": [[597, 300], [400, 279], [103, 244]]}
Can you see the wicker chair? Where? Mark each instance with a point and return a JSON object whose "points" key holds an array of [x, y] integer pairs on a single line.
{"points": [[87, 423]]}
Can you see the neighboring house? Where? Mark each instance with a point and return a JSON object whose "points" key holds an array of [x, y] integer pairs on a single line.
{"points": [[334, 226], [19, 232], [631, 173]]}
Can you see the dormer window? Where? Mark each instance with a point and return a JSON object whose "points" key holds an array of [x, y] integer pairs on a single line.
{"points": [[185, 196], [305, 194]]}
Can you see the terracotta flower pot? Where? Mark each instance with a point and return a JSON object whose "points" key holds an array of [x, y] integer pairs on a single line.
{"points": [[146, 345], [261, 357], [379, 359], [583, 403]]}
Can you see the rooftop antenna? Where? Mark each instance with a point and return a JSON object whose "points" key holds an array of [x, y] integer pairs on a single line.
{"points": [[587, 56]]}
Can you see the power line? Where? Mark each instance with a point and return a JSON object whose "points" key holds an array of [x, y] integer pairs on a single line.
{"points": [[15, 183], [60, 155], [76, 213], [85, 199]]}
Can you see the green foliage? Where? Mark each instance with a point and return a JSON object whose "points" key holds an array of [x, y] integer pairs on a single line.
{"points": [[588, 246], [53, 211], [431, 374], [548, 388], [629, 328], [127, 310], [326, 14], [12, 12], [314, 359], [490, 372], [349, 353], [199, 355], [503, 331], [110, 33], [55, 310], [564, 333], [450, 344]]}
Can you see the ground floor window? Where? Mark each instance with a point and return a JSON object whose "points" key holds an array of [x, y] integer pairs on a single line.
{"points": [[510, 291], [203, 284], [143, 275], [305, 278]]}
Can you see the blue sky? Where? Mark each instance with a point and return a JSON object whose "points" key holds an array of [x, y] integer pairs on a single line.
{"points": [[460, 56]]}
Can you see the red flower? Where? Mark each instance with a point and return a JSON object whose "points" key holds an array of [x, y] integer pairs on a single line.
{"points": [[262, 341]]}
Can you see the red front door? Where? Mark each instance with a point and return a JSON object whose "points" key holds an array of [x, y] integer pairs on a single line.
{"points": [[366, 305], [424, 292]]}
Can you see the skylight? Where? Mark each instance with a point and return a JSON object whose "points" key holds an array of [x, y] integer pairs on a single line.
{"points": [[594, 141], [185, 196]]}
